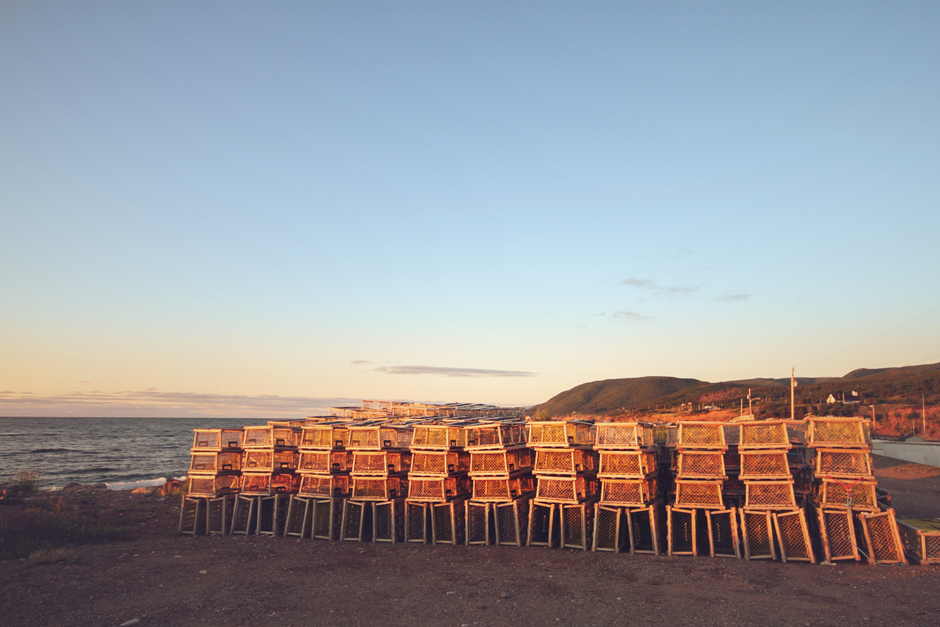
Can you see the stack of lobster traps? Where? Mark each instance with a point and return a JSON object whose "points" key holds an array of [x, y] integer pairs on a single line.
{"points": [[381, 459], [562, 512], [438, 483], [269, 477], [325, 463], [846, 501], [501, 472], [628, 514], [698, 513], [771, 509], [214, 480]]}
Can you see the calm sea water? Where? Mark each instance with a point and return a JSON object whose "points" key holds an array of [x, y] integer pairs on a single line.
{"points": [[102, 450]]}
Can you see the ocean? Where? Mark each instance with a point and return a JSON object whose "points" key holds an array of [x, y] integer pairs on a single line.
{"points": [[120, 452]]}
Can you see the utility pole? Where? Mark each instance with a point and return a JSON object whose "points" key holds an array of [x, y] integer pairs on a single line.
{"points": [[792, 394], [923, 414], [750, 408]]}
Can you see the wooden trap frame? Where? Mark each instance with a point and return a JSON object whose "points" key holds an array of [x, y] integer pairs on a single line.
{"points": [[693, 494], [645, 527], [217, 440], [708, 465], [569, 490], [314, 518], [214, 485], [442, 437], [266, 484], [495, 435], [439, 464], [757, 532], [883, 538], [763, 434], [272, 460], [357, 521], [448, 522], [272, 514], [837, 534], [577, 525], [629, 492], [723, 537], [764, 464], [245, 515], [797, 431], [619, 436], [480, 528], [701, 435], [378, 488], [219, 511], [418, 522], [299, 516], [560, 434], [215, 462], [857, 494], [269, 437], [624, 464], [384, 437], [193, 516], [510, 521], [681, 531], [324, 436], [769, 495], [544, 524], [843, 463], [388, 521], [611, 529], [921, 540], [325, 462], [504, 488], [435, 490], [501, 462], [569, 461], [838, 433], [732, 434], [793, 537], [324, 486], [381, 464]]}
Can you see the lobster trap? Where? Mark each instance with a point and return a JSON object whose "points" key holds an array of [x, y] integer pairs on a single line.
{"points": [[552, 434], [857, 494], [769, 495], [193, 516], [883, 538], [495, 435], [569, 461], [793, 537], [299, 515], [357, 521], [732, 434], [269, 437], [388, 521], [544, 525], [723, 537], [921, 540], [214, 463], [267, 484], [438, 437], [629, 492], [838, 433], [698, 494], [577, 525], [217, 440], [837, 534], [611, 529], [418, 522], [702, 465], [843, 463], [764, 434], [257, 460], [448, 522], [797, 431], [324, 436], [757, 533], [645, 528], [272, 514], [326, 518], [439, 490], [379, 437], [378, 488], [510, 521], [245, 515], [624, 436], [501, 462], [620, 464], [681, 531], [438, 464], [211, 486], [380, 464], [764, 464], [480, 527], [567, 489], [325, 462], [501, 489], [324, 486], [219, 512], [702, 435]]}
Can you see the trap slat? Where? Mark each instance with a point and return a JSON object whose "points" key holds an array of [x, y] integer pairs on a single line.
{"points": [[757, 532], [723, 538], [793, 537], [883, 538]]}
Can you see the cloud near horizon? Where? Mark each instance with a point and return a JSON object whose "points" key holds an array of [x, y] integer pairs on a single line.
{"points": [[453, 372], [630, 316]]}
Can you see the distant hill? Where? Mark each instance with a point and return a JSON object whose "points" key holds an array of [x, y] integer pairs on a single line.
{"points": [[772, 396]]}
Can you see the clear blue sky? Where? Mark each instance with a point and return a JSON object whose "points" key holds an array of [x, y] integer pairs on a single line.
{"points": [[258, 208]]}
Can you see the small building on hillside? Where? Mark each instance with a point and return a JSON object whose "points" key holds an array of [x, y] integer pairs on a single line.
{"points": [[842, 397]]}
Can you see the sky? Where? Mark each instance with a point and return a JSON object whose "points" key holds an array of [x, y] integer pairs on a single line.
{"points": [[270, 208]]}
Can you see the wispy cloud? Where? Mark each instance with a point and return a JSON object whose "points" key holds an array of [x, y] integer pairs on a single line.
{"points": [[453, 372], [360, 362], [153, 403], [634, 282], [651, 286], [630, 316], [732, 298]]}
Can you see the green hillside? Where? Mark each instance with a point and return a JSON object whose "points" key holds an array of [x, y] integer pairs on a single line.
{"points": [[612, 395]]}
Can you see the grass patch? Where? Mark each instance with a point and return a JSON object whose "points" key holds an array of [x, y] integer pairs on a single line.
{"points": [[47, 530], [50, 556], [25, 482]]}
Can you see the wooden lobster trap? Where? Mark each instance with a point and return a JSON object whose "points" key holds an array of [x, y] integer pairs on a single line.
{"points": [[560, 433], [701, 435], [569, 461], [273, 460], [883, 538], [757, 533], [574, 490], [681, 531], [388, 521], [378, 488], [216, 439], [620, 464], [501, 462], [763, 434], [611, 529], [577, 525], [379, 437], [448, 522], [299, 511], [768, 495], [214, 485], [437, 490], [266, 484], [695, 464], [324, 436], [357, 521], [645, 526], [441, 437], [723, 537], [629, 492], [504, 488], [793, 536], [544, 525], [439, 464], [478, 518], [245, 515], [921, 540], [619, 436], [272, 514], [324, 486], [857, 494], [381, 464], [324, 462], [418, 521], [696, 494], [270, 437], [797, 431], [510, 521], [193, 516], [837, 534], [224, 462], [666, 435], [843, 463], [838, 433], [219, 512], [764, 464], [732, 434], [496, 435]]}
